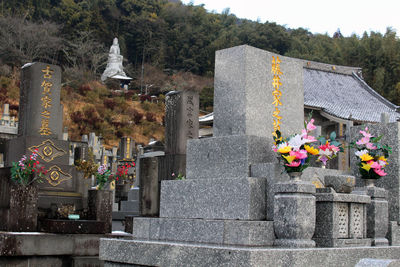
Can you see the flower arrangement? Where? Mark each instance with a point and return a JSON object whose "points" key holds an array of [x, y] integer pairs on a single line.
{"points": [[329, 148], [122, 171], [27, 170], [372, 155], [102, 176], [296, 150]]}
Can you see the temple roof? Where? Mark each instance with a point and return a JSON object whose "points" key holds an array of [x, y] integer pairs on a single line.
{"points": [[345, 96]]}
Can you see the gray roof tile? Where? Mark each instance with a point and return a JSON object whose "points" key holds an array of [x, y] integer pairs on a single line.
{"points": [[345, 96]]}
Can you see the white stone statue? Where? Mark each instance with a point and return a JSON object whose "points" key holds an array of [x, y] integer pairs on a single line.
{"points": [[114, 67]]}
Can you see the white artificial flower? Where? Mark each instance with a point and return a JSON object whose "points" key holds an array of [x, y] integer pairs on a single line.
{"points": [[296, 142], [361, 152]]}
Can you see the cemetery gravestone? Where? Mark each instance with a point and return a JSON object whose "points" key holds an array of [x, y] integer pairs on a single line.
{"points": [[40, 127]]}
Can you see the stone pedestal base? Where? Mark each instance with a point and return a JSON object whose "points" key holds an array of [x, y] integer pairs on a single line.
{"points": [[100, 207], [294, 214], [341, 219]]}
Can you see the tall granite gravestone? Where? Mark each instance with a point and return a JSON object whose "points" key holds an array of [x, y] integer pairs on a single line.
{"points": [[181, 124], [40, 127], [219, 191]]}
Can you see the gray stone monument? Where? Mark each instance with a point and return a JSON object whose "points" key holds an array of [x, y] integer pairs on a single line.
{"points": [[390, 182], [40, 127], [181, 124]]}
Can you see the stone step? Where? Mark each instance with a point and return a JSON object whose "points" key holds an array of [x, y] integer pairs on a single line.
{"points": [[223, 232]]}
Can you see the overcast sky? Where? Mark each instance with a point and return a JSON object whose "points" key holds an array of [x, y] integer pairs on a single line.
{"points": [[318, 16]]}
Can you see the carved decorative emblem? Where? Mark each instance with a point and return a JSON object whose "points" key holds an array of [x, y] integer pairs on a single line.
{"points": [[48, 151], [55, 175]]}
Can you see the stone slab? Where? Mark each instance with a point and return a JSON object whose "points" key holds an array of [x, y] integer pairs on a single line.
{"points": [[226, 157], [228, 232], [130, 206], [378, 263], [242, 199], [133, 194], [325, 195], [159, 253], [43, 244], [120, 215], [342, 242], [72, 226], [243, 89]]}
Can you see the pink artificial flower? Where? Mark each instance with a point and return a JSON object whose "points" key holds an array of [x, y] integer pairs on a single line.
{"points": [[294, 164], [311, 126], [376, 165], [365, 133], [370, 146], [363, 141], [380, 172]]}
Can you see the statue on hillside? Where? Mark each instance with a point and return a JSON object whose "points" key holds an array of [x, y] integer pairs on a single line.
{"points": [[114, 67]]}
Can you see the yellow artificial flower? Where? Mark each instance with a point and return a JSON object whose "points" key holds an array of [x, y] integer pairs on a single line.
{"points": [[383, 158], [284, 150], [311, 150], [289, 158], [365, 166], [366, 157]]}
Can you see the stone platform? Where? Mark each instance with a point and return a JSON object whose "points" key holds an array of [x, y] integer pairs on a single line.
{"points": [[159, 253], [45, 249]]}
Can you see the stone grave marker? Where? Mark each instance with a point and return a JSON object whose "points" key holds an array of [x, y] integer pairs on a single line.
{"points": [[40, 127]]}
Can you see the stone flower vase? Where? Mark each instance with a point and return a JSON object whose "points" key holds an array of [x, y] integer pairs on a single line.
{"points": [[295, 176], [100, 207], [294, 212], [23, 208]]}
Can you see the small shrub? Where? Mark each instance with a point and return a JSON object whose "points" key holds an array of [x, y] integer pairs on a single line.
{"points": [[137, 116], [146, 106], [109, 103], [150, 116]]}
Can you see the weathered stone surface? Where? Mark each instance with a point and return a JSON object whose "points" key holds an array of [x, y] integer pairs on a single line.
{"points": [[23, 208], [39, 109], [378, 263], [181, 120], [228, 232], [340, 183], [159, 253], [225, 157], [294, 214], [100, 207], [243, 86], [42, 244], [72, 226], [242, 199]]}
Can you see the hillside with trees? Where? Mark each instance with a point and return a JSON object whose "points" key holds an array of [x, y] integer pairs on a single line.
{"points": [[174, 45]]}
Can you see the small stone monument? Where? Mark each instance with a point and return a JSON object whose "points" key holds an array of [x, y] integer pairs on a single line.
{"points": [[114, 68]]}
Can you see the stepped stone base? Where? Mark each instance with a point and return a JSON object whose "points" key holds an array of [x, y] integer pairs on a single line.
{"points": [[242, 199], [223, 232], [159, 253]]}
